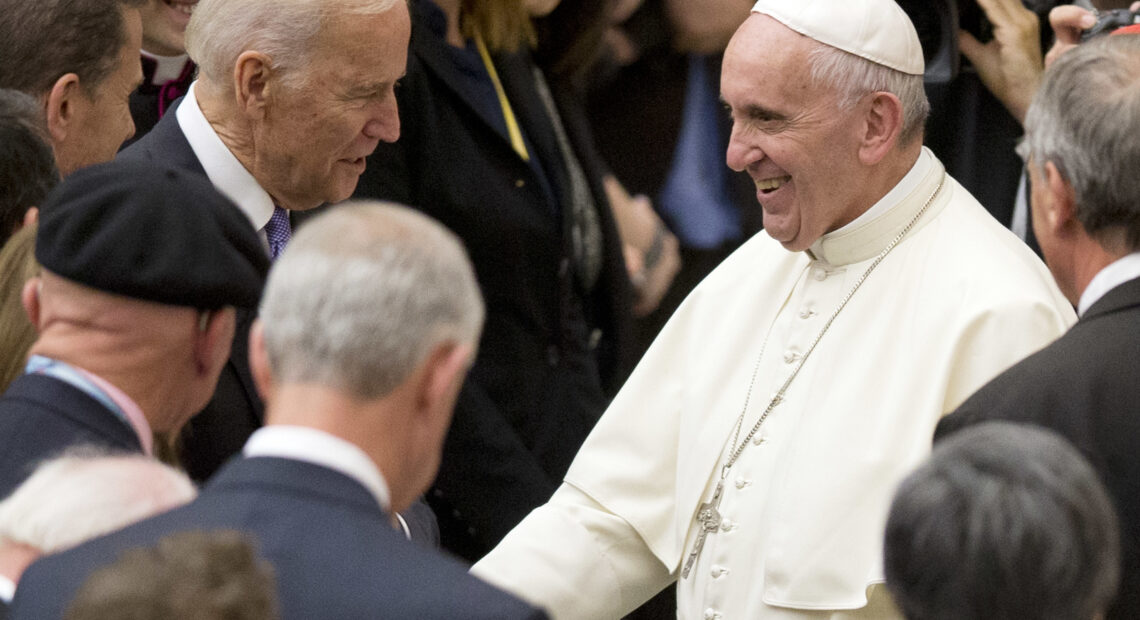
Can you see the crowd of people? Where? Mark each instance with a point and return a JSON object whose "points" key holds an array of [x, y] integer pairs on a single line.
{"points": [[484, 309]]}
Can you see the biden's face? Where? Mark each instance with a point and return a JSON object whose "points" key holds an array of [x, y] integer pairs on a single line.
{"points": [[311, 145]]}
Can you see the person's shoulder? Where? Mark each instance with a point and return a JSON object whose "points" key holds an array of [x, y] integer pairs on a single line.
{"points": [[49, 584], [457, 593]]}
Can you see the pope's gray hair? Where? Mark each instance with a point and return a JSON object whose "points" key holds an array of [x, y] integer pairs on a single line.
{"points": [[87, 493], [852, 77], [363, 294], [285, 30], [1085, 119]]}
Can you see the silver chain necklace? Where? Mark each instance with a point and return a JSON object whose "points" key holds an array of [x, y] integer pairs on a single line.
{"points": [[708, 514]]}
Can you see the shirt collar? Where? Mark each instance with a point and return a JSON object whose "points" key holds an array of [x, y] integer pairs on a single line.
{"points": [[1116, 273], [319, 448], [7, 589], [130, 409], [224, 170], [905, 186], [866, 236], [166, 68]]}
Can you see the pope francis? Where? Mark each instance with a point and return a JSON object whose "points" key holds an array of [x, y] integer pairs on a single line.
{"points": [[753, 453]]}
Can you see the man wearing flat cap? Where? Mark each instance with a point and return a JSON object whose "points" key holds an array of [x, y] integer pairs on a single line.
{"points": [[142, 268], [752, 455]]}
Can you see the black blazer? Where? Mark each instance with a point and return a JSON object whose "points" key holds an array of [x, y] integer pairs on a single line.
{"points": [[550, 355], [1084, 386], [333, 551], [220, 430], [236, 410], [41, 416]]}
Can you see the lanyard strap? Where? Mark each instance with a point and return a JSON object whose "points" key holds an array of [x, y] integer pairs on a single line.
{"points": [[508, 114], [40, 365]]}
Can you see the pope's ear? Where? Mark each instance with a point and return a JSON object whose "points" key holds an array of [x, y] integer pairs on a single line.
{"points": [[882, 126]]}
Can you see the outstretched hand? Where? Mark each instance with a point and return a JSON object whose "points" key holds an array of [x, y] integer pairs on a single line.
{"points": [[1011, 64]]}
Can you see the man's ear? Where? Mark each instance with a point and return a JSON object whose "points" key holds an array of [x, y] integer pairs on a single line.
{"points": [[61, 107], [1060, 210], [31, 216], [213, 339], [883, 121], [259, 361], [444, 370], [253, 80], [30, 298]]}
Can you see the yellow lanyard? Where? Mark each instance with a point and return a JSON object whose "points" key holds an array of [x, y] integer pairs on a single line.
{"points": [[508, 114]]}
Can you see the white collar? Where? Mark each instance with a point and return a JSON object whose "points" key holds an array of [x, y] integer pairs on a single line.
{"points": [[904, 187], [227, 174], [319, 448], [7, 589], [1118, 272], [166, 68]]}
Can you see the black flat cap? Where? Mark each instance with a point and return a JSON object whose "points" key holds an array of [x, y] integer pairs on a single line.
{"points": [[148, 231]]}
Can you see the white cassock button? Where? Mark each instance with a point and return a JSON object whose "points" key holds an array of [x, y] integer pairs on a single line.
{"points": [[743, 483], [726, 525], [758, 439], [712, 614], [807, 313], [718, 571], [820, 275], [790, 357]]}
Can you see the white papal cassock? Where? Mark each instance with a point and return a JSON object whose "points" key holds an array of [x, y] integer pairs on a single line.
{"points": [[956, 302]]}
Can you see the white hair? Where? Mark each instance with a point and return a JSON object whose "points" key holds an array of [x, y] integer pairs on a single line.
{"points": [[1085, 119], [87, 493], [285, 30], [853, 76], [362, 295]]}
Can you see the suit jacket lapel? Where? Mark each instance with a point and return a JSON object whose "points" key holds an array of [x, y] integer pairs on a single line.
{"points": [[433, 53], [168, 144], [518, 80]]}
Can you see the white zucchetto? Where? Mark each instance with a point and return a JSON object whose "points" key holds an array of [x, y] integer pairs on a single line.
{"points": [[878, 30]]}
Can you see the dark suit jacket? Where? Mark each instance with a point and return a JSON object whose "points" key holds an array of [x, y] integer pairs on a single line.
{"points": [[220, 430], [1084, 386], [541, 378], [333, 551], [41, 416], [3, 610], [235, 411]]}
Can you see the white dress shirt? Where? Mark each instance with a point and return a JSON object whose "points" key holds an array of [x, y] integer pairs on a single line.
{"points": [[7, 589], [310, 445], [1117, 273], [224, 170]]}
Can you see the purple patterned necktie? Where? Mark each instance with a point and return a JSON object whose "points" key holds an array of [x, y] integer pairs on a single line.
{"points": [[278, 232]]}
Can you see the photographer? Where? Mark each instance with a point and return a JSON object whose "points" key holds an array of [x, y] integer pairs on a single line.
{"points": [[1011, 64]]}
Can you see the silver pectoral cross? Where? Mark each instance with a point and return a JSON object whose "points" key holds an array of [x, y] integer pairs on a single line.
{"points": [[708, 519]]}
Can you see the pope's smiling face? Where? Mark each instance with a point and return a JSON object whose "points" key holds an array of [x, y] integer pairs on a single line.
{"points": [[789, 134]]}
